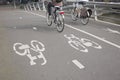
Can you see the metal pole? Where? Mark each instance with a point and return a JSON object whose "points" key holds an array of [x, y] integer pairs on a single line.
{"points": [[95, 12], [38, 6], [34, 6], [30, 6], [44, 6], [14, 3], [25, 7]]}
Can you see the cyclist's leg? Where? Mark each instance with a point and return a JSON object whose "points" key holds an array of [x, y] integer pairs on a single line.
{"points": [[55, 15], [56, 8], [50, 5]]}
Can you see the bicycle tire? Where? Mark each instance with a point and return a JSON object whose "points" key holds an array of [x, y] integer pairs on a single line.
{"points": [[60, 22]]}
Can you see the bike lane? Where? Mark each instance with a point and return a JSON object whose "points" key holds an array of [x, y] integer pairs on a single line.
{"points": [[100, 64], [107, 56]]}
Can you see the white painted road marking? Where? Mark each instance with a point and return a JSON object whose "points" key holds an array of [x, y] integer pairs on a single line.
{"points": [[20, 17], [24, 50], [36, 14], [101, 39], [78, 64], [113, 44], [81, 44], [34, 28], [113, 31]]}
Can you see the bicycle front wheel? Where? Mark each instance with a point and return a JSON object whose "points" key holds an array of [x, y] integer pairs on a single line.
{"points": [[60, 22]]}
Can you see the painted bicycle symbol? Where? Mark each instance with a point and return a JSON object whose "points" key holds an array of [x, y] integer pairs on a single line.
{"points": [[24, 50], [81, 44]]}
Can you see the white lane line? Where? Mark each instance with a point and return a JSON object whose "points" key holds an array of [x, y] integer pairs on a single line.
{"points": [[78, 64], [108, 23], [69, 26], [36, 14]]}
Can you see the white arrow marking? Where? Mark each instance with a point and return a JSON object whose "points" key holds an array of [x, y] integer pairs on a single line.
{"points": [[113, 31]]}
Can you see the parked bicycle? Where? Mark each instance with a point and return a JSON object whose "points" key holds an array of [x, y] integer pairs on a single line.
{"points": [[57, 18], [79, 11], [24, 50]]}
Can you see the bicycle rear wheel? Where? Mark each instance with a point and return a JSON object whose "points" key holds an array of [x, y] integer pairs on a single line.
{"points": [[60, 22]]}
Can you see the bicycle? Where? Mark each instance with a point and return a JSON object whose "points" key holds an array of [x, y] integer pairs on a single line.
{"points": [[79, 11], [57, 18], [81, 44], [24, 49]]}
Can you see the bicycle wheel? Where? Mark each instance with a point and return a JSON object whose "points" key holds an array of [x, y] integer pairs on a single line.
{"points": [[60, 22], [49, 19], [74, 14], [18, 50], [90, 43], [84, 20], [37, 45]]}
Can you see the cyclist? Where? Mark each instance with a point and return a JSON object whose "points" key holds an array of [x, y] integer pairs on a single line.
{"points": [[53, 3]]}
